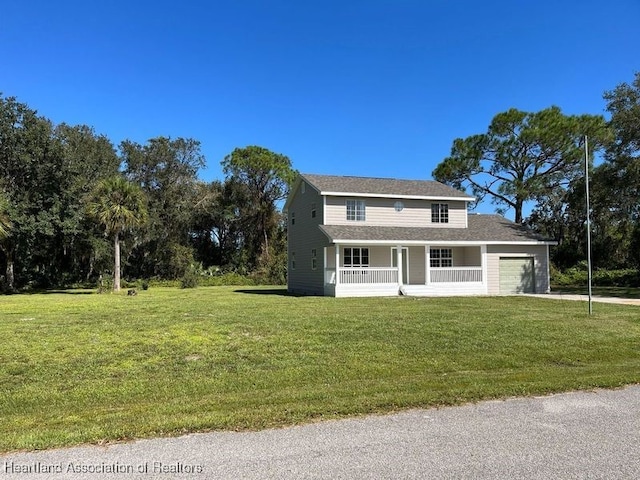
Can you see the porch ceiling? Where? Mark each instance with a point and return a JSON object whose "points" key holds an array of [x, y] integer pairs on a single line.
{"points": [[482, 229]]}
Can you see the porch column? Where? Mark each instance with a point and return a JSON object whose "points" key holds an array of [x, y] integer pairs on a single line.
{"points": [[483, 262], [399, 262], [325, 261], [337, 264], [427, 259]]}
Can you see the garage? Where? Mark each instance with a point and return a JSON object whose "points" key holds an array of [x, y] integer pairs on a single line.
{"points": [[517, 275]]}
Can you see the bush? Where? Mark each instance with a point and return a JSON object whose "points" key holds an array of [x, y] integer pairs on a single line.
{"points": [[191, 277], [105, 283], [579, 275]]}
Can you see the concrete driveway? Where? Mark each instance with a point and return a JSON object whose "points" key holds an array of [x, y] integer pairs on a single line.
{"points": [[588, 435], [585, 298]]}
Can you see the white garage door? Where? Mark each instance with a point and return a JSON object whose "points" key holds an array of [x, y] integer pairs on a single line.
{"points": [[516, 275]]}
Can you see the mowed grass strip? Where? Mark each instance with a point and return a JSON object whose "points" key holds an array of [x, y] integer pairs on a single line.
{"points": [[78, 367]]}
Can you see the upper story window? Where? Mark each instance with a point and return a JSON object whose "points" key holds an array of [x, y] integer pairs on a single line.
{"points": [[293, 218], [355, 210], [313, 210], [439, 213]]}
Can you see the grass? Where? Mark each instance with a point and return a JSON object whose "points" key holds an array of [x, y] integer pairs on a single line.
{"points": [[86, 368]]}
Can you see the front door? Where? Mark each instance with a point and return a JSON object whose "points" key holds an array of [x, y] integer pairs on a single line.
{"points": [[405, 263]]}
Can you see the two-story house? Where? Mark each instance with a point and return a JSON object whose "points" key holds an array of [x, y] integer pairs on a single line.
{"points": [[356, 236]]}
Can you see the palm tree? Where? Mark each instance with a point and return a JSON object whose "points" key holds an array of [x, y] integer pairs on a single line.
{"points": [[5, 221], [118, 206]]}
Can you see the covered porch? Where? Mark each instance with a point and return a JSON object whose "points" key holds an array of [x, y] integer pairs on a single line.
{"points": [[389, 270]]}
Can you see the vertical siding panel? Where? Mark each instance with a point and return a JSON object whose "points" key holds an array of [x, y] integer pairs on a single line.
{"points": [[301, 239], [416, 266]]}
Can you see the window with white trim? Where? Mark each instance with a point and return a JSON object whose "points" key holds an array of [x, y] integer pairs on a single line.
{"points": [[356, 257], [439, 213], [314, 259], [441, 257], [356, 210]]}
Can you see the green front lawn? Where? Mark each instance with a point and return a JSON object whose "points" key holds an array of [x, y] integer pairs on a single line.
{"points": [[79, 367]]}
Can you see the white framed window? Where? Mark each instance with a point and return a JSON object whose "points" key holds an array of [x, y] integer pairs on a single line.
{"points": [[293, 260], [355, 257], [356, 210], [439, 213], [313, 210], [314, 259], [441, 257]]}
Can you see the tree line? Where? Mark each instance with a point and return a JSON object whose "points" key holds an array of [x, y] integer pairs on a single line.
{"points": [[72, 204], [69, 198], [537, 158]]}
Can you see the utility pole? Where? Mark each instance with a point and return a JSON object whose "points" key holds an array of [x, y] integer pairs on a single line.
{"points": [[586, 175]]}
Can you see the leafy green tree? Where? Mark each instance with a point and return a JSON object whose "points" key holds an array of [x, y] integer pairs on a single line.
{"points": [[31, 169], [622, 168], [261, 180], [118, 206], [87, 158], [522, 157], [215, 225], [167, 171]]}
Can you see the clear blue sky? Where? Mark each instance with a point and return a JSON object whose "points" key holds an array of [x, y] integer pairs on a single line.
{"points": [[353, 87]]}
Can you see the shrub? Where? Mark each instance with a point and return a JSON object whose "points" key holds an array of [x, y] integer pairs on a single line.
{"points": [[191, 277], [105, 283], [579, 275]]}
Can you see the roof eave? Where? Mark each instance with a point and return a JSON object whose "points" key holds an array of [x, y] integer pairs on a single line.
{"points": [[437, 242], [391, 195]]}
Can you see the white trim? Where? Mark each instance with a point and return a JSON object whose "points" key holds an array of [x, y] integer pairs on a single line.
{"points": [[324, 210], [548, 272], [485, 268], [443, 242], [325, 259], [337, 246], [401, 267], [394, 195], [427, 266]]}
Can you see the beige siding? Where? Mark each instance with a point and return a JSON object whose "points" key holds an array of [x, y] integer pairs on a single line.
{"points": [[538, 252], [416, 266], [381, 212], [467, 257], [301, 239]]}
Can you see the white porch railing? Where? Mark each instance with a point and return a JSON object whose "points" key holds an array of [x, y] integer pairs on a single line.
{"points": [[456, 275], [368, 275]]}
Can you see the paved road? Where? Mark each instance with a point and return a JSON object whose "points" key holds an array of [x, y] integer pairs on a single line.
{"points": [[590, 435]]}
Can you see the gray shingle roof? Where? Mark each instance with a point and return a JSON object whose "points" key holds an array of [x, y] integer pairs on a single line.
{"points": [[383, 186], [482, 228]]}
